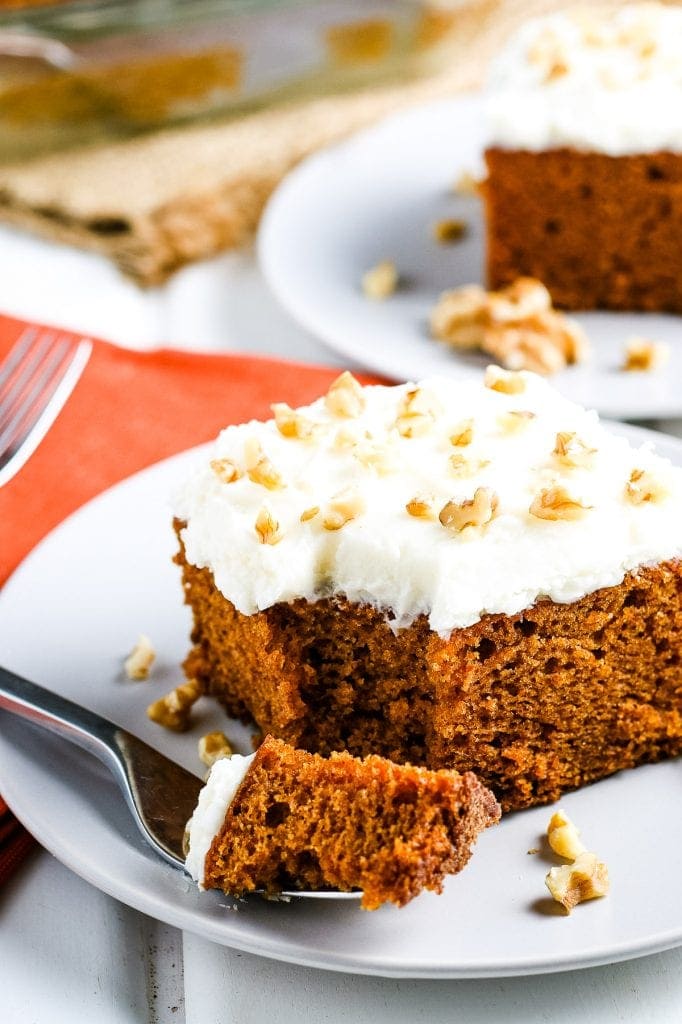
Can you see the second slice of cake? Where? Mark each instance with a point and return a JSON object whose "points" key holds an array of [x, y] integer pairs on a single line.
{"points": [[479, 577], [584, 158]]}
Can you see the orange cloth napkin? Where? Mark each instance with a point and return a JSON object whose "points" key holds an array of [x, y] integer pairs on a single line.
{"points": [[129, 410]]}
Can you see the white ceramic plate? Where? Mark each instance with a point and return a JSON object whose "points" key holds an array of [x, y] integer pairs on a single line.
{"points": [[375, 196], [67, 618]]}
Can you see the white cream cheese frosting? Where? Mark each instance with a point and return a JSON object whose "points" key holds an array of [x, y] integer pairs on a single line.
{"points": [[605, 81], [225, 778], [335, 519]]}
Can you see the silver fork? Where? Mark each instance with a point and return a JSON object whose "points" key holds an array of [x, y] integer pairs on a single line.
{"points": [[160, 793], [36, 379]]}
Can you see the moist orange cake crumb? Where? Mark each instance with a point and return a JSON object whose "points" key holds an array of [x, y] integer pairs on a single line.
{"points": [[299, 821]]}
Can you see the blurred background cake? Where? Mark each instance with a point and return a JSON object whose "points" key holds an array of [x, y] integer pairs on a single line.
{"points": [[584, 162]]}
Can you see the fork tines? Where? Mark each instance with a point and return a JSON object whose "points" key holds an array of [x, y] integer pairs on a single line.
{"points": [[36, 378]]}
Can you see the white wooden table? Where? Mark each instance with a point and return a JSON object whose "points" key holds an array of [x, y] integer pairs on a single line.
{"points": [[69, 954]]}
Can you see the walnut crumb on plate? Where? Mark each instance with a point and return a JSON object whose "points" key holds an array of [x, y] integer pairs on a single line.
{"points": [[644, 355], [381, 280], [141, 658]]}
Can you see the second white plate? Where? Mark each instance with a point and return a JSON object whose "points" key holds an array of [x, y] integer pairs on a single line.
{"points": [[376, 196]]}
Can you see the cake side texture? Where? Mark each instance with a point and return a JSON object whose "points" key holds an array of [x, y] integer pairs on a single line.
{"points": [[536, 704], [600, 231]]}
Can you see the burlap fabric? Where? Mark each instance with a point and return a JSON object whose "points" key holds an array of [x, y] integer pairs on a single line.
{"points": [[158, 202]]}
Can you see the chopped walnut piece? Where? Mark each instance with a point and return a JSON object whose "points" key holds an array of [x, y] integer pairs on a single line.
{"points": [[173, 711], [267, 528], [140, 659], [476, 511], [344, 439], [259, 468], [572, 453], [467, 185], [460, 316], [514, 420], [641, 354], [643, 487], [524, 298], [381, 280], [463, 434], [253, 452], [448, 230], [516, 326], [291, 423], [309, 513], [585, 879], [549, 54], [342, 509], [555, 503], [226, 470], [508, 383], [421, 508], [544, 343], [213, 746], [375, 457], [265, 474], [462, 467], [417, 413], [564, 837], [345, 397]]}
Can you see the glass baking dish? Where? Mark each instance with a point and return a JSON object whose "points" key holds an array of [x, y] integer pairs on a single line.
{"points": [[78, 72]]}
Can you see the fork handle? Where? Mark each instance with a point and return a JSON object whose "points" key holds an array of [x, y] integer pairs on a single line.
{"points": [[58, 715]]}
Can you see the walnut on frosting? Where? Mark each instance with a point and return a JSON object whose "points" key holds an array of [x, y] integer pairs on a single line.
{"points": [[421, 507], [417, 413], [505, 381], [515, 420], [571, 452], [643, 487], [226, 470], [267, 527], [555, 504], [516, 325], [376, 457], [342, 509], [477, 511], [345, 397], [291, 423], [550, 55], [265, 474], [259, 468], [463, 434], [462, 467]]}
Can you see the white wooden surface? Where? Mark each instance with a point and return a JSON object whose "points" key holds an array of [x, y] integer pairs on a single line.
{"points": [[72, 955]]}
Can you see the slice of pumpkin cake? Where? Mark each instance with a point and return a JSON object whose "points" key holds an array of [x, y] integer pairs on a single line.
{"points": [[284, 819]]}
